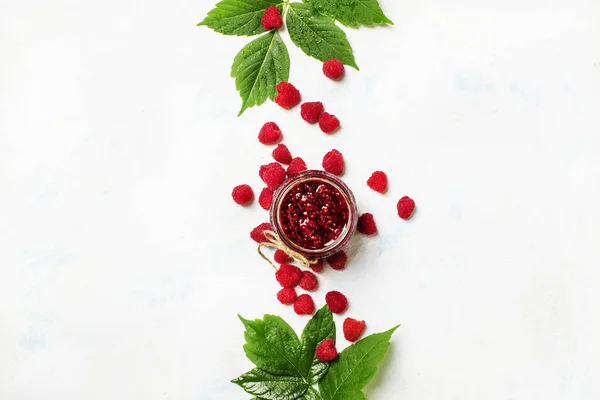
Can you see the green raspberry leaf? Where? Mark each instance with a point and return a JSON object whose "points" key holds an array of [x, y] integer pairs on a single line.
{"points": [[311, 394], [352, 13], [259, 67], [355, 367], [273, 346], [239, 17], [317, 35], [319, 328], [273, 387]]}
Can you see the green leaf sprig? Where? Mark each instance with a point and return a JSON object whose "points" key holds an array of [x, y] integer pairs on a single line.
{"points": [[287, 368], [265, 61]]}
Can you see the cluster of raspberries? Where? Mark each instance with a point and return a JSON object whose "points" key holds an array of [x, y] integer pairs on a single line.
{"points": [[273, 174]]}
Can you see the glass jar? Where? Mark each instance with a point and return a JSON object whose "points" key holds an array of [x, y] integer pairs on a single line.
{"points": [[314, 213]]}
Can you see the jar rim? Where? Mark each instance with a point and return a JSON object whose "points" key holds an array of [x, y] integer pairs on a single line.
{"points": [[338, 184]]}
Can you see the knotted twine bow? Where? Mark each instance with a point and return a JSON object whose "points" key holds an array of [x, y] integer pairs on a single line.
{"points": [[275, 242]]}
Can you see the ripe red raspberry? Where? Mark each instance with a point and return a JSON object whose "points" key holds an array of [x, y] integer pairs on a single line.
{"points": [[282, 154], [272, 174], [326, 350], [265, 197], [288, 275], [353, 329], [337, 302], [288, 96], [308, 281], [378, 181], [333, 69], [311, 112], [338, 260], [366, 224], [304, 305], [242, 194], [271, 19], [406, 207], [333, 162], [269, 133], [318, 266], [328, 123], [281, 257], [257, 233], [297, 165], [286, 296]]}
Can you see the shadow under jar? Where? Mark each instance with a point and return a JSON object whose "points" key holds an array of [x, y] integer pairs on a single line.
{"points": [[314, 213]]}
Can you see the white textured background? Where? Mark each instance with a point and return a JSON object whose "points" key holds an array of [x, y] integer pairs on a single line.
{"points": [[123, 261]]}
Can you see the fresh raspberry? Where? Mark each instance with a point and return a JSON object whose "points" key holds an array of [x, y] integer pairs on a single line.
{"points": [[337, 302], [286, 296], [308, 281], [333, 69], [353, 329], [242, 194], [333, 162], [288, 275], [272, 174], [297, 165], [265, 197], [378, 181], [326, 350], [318, 266], [338, 260], [281, 257], [271, 19], [269, 133], [288, 96], [257, 233], [406, 207], [311, 112], [304, 305], [366, 224], [328, 123], [282, 154]]}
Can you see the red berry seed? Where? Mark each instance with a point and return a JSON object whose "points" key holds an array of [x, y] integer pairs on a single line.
{"points": [[311, 112], [366, 224], [353, 329], [318, 266], [269, 133], [304, 305], [338, 260], [296, 166], [257, 233], [378, 181], [326, 350], [309, 281], [271, 19], [333, 69], [272, 174], [288, 275], [337, 302], [242, 194], [265, 197], [282, 154], [333, 162], [406, 207], [281, 257], [328, 123], [286, 296], [288, 96]]}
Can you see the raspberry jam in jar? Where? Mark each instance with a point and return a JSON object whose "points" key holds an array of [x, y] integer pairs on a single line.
{"points": [[314, 213]]}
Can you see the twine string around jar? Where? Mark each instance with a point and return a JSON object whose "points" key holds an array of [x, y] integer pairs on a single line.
{"points": [[275, 242]]}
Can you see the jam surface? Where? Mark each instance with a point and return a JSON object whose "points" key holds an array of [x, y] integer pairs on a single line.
{"points": [[313, 214]]}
